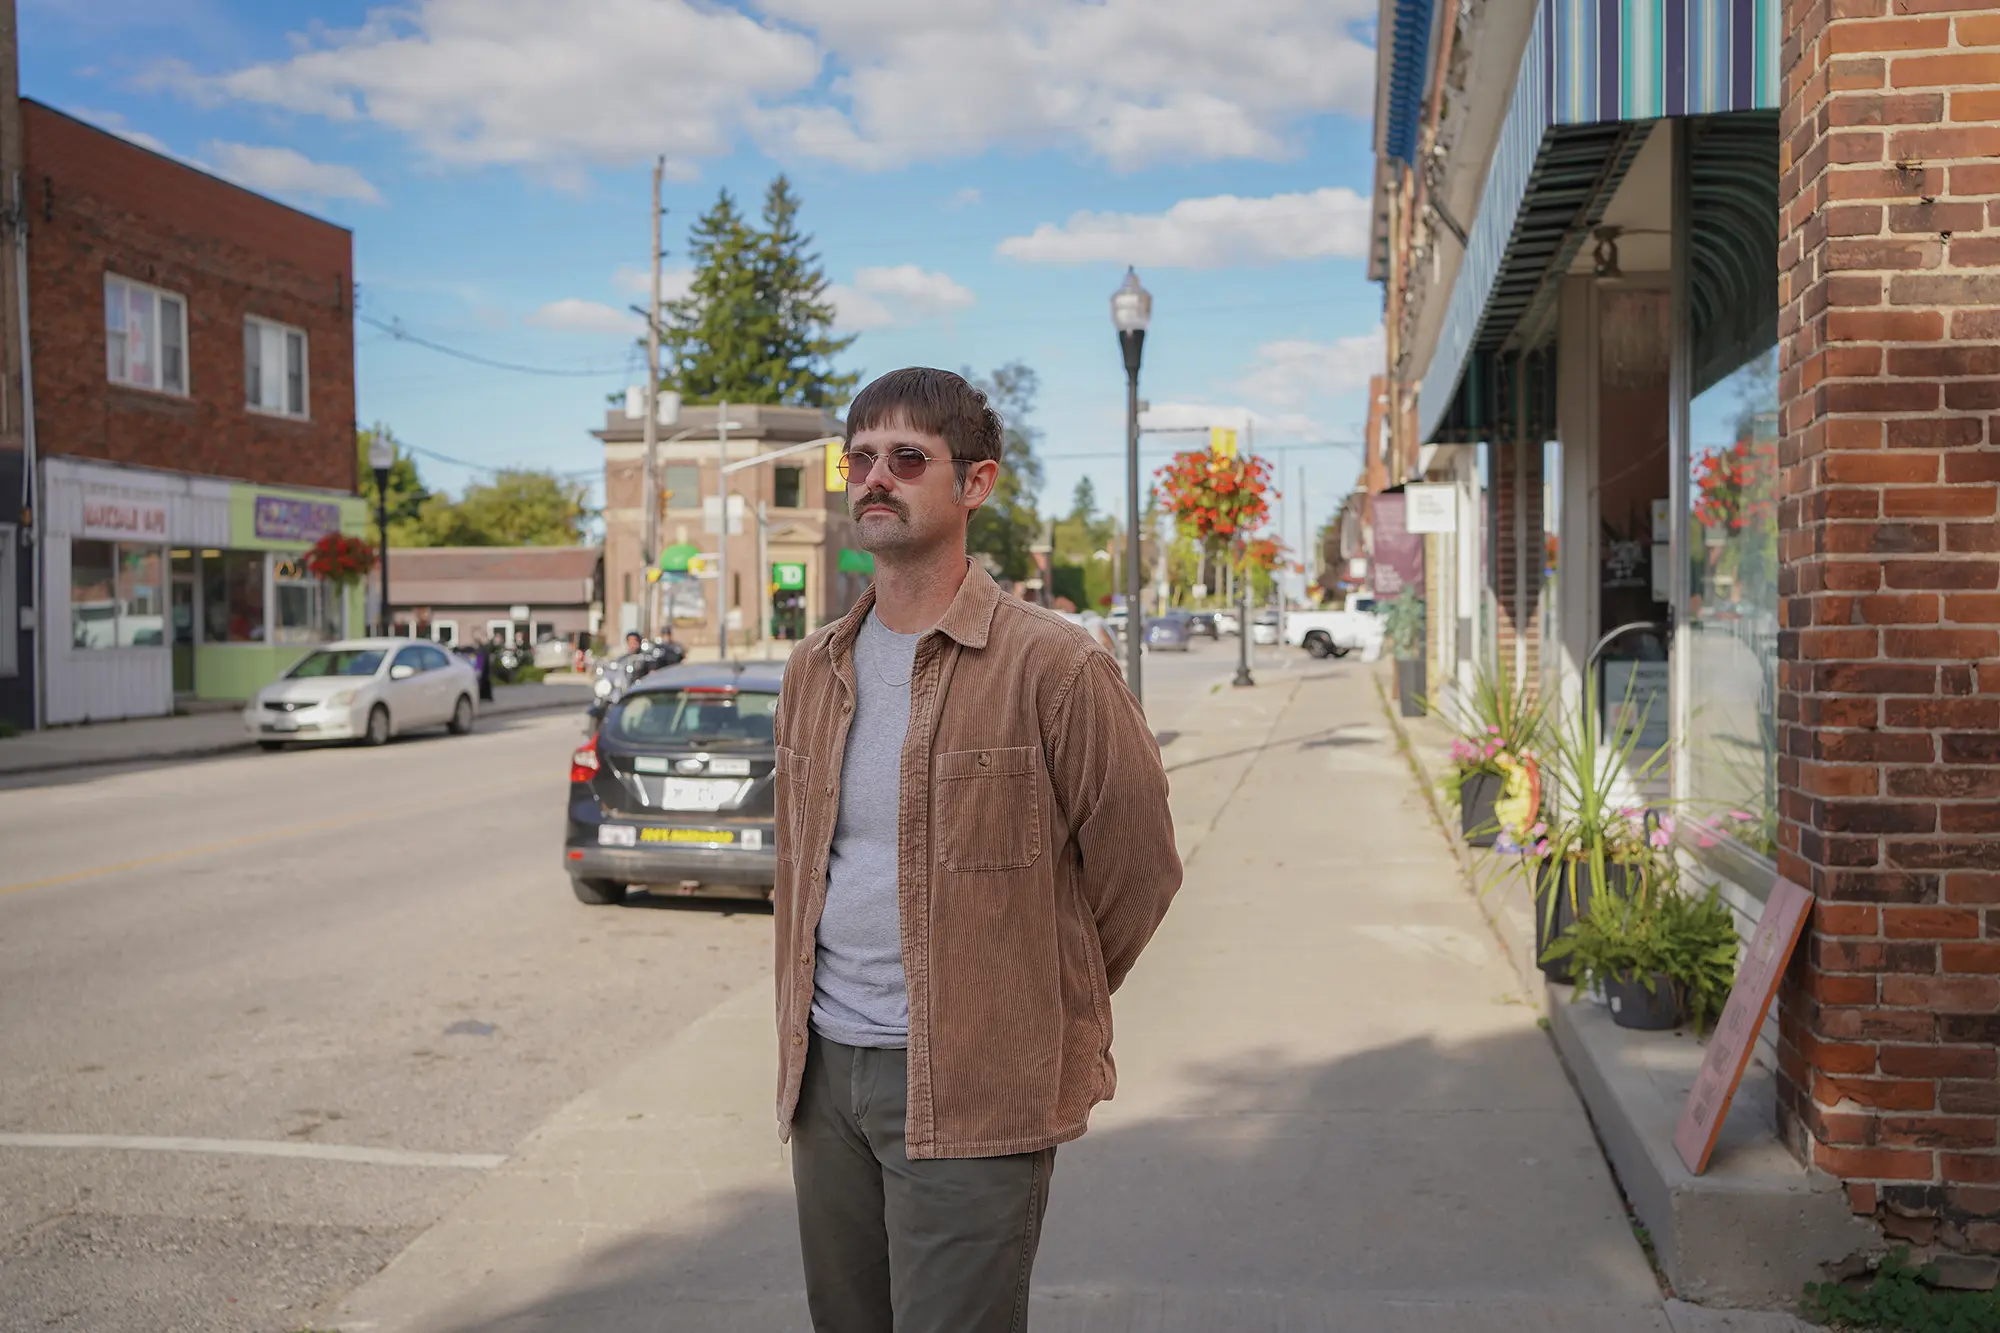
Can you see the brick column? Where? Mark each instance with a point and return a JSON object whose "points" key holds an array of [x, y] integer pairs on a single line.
{"points": [[1889, 674], [1520, 550]]}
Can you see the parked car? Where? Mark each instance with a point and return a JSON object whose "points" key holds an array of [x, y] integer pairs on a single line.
{"points": [[613, 676], [1095, 626], [1167, 634], [1264, 627], [553, 654], [1336, 633], [1203, 622], [367, 690], [674, 789]]}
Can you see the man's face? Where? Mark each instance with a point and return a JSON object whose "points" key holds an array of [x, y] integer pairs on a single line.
{"points": [[916, 515], [632, 643]]}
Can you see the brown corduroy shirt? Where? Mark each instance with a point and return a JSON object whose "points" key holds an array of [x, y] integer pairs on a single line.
{"points": [[1036, 859]]}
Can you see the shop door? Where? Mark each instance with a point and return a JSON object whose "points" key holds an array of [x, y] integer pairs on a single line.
{"points": [[788, 601], [183, 610]]}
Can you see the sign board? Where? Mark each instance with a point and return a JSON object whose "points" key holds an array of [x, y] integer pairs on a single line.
{"points": [[834, 481], [1399, 553], [788, 577], [518, 611], [110, 515], [1357, 567], [711, 514], [1635, 697], [1222, 441], [1430, 507], [1735, 1036], [280, 518]]}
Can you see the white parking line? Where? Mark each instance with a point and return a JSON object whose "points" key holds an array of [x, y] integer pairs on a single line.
{"points": [[317, 1152]]}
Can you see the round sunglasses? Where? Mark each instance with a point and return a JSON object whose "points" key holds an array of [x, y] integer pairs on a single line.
{"points": [[906, 463]]}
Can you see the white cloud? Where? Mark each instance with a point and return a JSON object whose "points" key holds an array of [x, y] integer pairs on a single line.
{"points": [[969, 197], [1214, 232], [115, 123], [274, 170], [869, 83], [1293, 372], [891, 297], [1254, 425], [571, 315]]}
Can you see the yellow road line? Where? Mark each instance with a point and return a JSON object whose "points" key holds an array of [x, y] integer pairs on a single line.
{"points": [[249, 840]]}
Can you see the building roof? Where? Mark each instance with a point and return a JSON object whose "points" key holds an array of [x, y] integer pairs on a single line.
{"points": [[776, 425]]}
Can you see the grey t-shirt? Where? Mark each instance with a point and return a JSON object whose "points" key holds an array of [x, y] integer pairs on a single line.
{"points": [[859, 997]]}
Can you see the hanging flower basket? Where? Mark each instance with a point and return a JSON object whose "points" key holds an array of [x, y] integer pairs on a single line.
{"points": [[340, 560], [1220, 496]]}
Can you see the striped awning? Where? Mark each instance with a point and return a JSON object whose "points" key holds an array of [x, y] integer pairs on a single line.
{"points": [[1591, 72]]}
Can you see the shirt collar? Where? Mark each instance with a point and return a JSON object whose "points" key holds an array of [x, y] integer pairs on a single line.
{"points": [[968, 620]]}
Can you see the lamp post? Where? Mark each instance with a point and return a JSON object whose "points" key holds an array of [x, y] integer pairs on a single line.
{"points": [[382, 457], [1131, 312]]}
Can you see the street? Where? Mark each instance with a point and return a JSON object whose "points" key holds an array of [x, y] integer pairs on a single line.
{"points": [[309, 953]]}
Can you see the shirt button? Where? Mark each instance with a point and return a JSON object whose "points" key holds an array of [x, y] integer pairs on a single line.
{"points": [[829, 789], [985, 760], [805, 958], [797, 1040]]}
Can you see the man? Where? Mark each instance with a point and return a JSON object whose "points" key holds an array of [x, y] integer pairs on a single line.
{"points": [[632, 641], [973, 845]]}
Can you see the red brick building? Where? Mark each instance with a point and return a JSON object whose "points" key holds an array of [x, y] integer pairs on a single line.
{"points": [[193, 376]]}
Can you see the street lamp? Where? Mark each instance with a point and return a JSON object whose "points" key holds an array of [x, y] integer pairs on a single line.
{"points": [[382, 457], [1131, 312]]}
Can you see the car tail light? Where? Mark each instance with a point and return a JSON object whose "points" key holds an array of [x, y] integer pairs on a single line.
{"points": [[583, 764]]}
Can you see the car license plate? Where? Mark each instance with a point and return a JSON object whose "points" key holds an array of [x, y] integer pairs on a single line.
{"points": [[285, 724], [707, 837], [617, 835], [697, 793]]}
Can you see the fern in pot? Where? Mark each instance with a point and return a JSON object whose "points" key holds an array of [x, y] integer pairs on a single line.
{"points": [[1404, 628], [1660, 956], [1499, 724]]}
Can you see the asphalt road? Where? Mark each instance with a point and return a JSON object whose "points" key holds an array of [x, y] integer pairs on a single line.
{"points": [[354, 978]]}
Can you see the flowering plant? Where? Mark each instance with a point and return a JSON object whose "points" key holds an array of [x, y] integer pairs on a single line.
{"points": [[1218, 495], [339, 559]]}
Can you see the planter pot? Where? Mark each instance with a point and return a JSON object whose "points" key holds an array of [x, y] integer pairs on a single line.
{"points": [[1633, 1006], [1572, 889], [1476, 820], [1411, 685]]}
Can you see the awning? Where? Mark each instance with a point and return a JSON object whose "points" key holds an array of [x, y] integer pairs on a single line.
{"points": [[1592, 74]]}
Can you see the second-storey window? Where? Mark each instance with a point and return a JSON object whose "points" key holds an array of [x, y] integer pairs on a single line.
{"points": [[145, 336], [274, 368]]}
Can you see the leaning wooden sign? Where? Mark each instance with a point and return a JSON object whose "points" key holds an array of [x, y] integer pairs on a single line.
{"points": [[1735, 1035]]}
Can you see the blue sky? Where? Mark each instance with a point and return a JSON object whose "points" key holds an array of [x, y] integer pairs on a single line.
{"points": [[977, 174]]}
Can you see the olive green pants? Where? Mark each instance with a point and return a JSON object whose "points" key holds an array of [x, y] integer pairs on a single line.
{"points": [[899, 1246]]}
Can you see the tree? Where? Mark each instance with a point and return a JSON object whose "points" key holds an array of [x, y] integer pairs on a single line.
{"points": [[755, 324], [1083, 500], [519, 507], [407, 492], [1009, 522]]}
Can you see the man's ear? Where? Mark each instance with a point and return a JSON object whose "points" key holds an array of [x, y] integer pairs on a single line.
{"points": [[980, 479]]}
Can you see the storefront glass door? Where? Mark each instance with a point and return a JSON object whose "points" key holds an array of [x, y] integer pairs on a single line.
{"points": [[185, 615]]}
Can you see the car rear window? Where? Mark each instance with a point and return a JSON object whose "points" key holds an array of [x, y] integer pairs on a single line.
{"points": [[690, 717]]}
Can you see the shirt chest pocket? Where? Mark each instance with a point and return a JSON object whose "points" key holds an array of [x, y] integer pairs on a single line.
{"points": [[791, 783], [989, 808]]}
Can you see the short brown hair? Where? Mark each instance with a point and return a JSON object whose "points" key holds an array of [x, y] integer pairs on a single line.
{"points": [[935, 402]]}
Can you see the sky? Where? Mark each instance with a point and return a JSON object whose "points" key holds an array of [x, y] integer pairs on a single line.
{"points": [[977, 174]]}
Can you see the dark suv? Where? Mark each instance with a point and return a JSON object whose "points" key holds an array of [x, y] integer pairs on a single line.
{"points": [[675, 786]]}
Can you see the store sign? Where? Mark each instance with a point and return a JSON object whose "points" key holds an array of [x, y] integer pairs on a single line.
{"points": [[1430, 507], [788, 578], [280, 518], [116, 516], [1399, 553]]}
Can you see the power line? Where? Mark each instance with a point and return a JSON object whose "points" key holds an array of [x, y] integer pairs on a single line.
{"points": [[435, 456], [395, 329]]}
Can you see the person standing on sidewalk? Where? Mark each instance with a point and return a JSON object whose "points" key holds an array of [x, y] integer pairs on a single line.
{"points": [[973, 845]]}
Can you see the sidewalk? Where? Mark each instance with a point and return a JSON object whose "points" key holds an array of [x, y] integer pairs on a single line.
{"points": [[197, 735], [1335, 1112]]}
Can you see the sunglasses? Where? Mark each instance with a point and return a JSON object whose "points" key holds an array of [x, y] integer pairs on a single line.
{"points": [[906, 463]]}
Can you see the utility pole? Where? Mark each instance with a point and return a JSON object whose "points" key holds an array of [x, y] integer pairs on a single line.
{"points": [[650, 486], [1305, 563], [722, 542]]}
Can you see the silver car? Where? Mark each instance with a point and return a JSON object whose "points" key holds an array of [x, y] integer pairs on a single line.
{"points": [[367, 690]]}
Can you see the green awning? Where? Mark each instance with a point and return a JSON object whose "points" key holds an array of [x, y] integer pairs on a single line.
{"points": [[674, 560], [856, 562]]}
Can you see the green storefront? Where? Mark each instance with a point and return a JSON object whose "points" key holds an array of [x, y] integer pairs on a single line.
{"points": [[251, 608]]}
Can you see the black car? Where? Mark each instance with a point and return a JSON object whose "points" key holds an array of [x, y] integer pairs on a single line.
{"points": [[674, 789], [1202, 622]]}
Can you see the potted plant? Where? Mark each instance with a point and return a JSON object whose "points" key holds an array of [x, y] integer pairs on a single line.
{"points": [[1499, 722], [1590, 841], [1405, 632], [1659, 955]]}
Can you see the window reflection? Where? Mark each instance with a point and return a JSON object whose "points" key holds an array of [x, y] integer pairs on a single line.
{"points": [[1733, 604]]}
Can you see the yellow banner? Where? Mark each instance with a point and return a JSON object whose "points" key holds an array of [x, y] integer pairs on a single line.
{"points": [[834, 481], [1222, 441]]}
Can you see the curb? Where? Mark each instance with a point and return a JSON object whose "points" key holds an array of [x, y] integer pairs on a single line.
{"points": [[210, 751]]}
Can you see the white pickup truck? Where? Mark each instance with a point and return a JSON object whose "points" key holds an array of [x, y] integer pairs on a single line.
{"points": [[1357, 625]]}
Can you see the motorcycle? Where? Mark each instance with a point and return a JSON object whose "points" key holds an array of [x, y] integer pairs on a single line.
{"points": [[614, 676]]}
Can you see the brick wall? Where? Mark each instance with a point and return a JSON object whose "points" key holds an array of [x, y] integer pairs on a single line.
{"points": [[1519, 610], [1889, 679], [98, 204]]}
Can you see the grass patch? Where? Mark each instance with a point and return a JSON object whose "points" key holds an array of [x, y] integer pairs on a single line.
{"points": [[530, 674], [1901, 1299]]}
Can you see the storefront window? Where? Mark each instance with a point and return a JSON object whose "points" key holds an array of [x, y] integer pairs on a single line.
{"points": [[93, 608], [232, 594], [1733, 604], [142, 597], [308, 608]]}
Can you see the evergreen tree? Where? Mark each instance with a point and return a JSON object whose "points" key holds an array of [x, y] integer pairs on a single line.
{"points": [[1083, 501], [1009, 523], [755, 324]]}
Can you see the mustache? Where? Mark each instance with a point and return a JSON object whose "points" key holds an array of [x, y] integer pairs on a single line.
{"points": [[883, 498]]}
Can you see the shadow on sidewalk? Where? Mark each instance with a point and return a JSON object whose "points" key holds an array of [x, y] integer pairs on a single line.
{"points": [[1459, 1182]]}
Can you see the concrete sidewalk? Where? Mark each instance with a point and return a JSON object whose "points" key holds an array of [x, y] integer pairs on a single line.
{"points": [[197, 735], [1335, 1112]]}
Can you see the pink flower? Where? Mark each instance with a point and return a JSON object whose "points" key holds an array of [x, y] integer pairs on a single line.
{"points": [[1491, 730], [1667, 823], [1741, 816], [1538, 830], [1542, 847], [1707, 841], [1660, 838]]}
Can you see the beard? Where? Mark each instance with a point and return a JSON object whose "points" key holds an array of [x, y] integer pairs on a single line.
{"points": [[881, 533]]}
